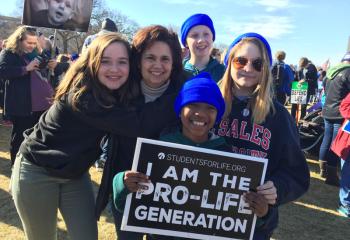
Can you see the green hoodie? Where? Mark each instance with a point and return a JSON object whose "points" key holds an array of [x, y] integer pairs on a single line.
{"points": [[214, 68], [332, 72]]}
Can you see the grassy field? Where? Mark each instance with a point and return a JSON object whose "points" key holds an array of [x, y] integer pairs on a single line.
{"points": [[313, 216]]}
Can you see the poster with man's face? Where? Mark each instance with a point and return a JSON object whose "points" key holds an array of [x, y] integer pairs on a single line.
{"points": [[71, 15]]}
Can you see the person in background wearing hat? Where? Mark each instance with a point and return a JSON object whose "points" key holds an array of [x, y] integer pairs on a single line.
{"points": [[337, 86], [107, 26], [199, 101], [198, 35], [256, 124]]}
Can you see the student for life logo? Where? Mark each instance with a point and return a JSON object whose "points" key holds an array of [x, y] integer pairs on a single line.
{"points": [[161, 156]]}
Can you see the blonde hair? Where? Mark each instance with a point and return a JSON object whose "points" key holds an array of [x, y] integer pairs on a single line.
{"points": [[261, 99], [82, 77], [13, 42]]}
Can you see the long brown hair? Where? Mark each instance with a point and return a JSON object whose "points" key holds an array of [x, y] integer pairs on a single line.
{"points": [[13, 42], [81, 77], [262, 97]]}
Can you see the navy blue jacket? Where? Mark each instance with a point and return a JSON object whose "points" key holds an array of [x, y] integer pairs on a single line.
{"points": [[277, 140], [214, 68]]}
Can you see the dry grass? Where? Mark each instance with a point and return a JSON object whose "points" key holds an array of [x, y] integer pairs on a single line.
{"points": [[313, 216], [10, 225]]}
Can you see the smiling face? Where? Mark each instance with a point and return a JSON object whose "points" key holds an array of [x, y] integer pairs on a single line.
{"points": [[197, 119], [114, 68], [246, 78], [200, 41], [59, 11], [156, 64]]}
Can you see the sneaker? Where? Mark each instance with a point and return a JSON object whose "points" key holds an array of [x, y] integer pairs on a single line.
{"points": [[344, 211]]}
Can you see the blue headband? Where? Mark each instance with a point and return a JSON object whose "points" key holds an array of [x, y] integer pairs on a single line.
{"points": [[195, 20], [248, 35], [200, 88]]}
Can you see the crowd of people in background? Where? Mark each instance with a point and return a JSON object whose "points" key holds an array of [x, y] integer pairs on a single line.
{"points": [[67, 111]]}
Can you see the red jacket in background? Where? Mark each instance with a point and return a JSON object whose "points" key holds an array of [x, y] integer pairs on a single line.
{"points": [[341, 143]]}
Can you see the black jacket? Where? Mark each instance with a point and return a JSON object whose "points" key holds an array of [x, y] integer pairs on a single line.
{"points": [[66, 142], [336, 90], [121, 148], [311, 78], [18, 101]]}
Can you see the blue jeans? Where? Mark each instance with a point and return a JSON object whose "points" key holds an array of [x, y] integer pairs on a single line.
{"points": [[344, 191], [331, 128]]}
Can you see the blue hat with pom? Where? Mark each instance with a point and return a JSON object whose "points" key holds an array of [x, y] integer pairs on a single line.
{"points": [[195, 20], [248, 35], [201, 88]]}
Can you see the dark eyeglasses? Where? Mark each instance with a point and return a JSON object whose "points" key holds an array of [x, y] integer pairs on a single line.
{"points": [[240, 62]]}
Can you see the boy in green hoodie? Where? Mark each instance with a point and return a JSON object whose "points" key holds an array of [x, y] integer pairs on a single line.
{"points": [[198, 35]]}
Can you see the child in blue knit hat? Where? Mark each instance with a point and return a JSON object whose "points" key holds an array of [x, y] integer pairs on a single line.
{"points": [[198, 35], [199, 105]]}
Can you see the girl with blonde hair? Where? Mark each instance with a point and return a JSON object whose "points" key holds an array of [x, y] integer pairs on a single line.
{"points": [[27, 92], [256, 125]]}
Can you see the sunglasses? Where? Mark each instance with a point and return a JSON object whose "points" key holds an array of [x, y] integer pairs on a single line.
{"points": [[240, 62]]}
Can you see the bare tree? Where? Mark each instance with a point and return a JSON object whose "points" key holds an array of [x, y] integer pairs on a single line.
{"points": [[8, 25], [125, 25], [69, 41], [73, 41]]}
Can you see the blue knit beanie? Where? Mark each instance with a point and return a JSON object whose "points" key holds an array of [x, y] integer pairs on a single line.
{"points": [[200, 88], [195, 20], [248, 35]]}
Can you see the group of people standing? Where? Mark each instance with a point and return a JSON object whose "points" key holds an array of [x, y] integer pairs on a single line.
{"points": [[121, 93], [334, 101], [334, 150]]}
